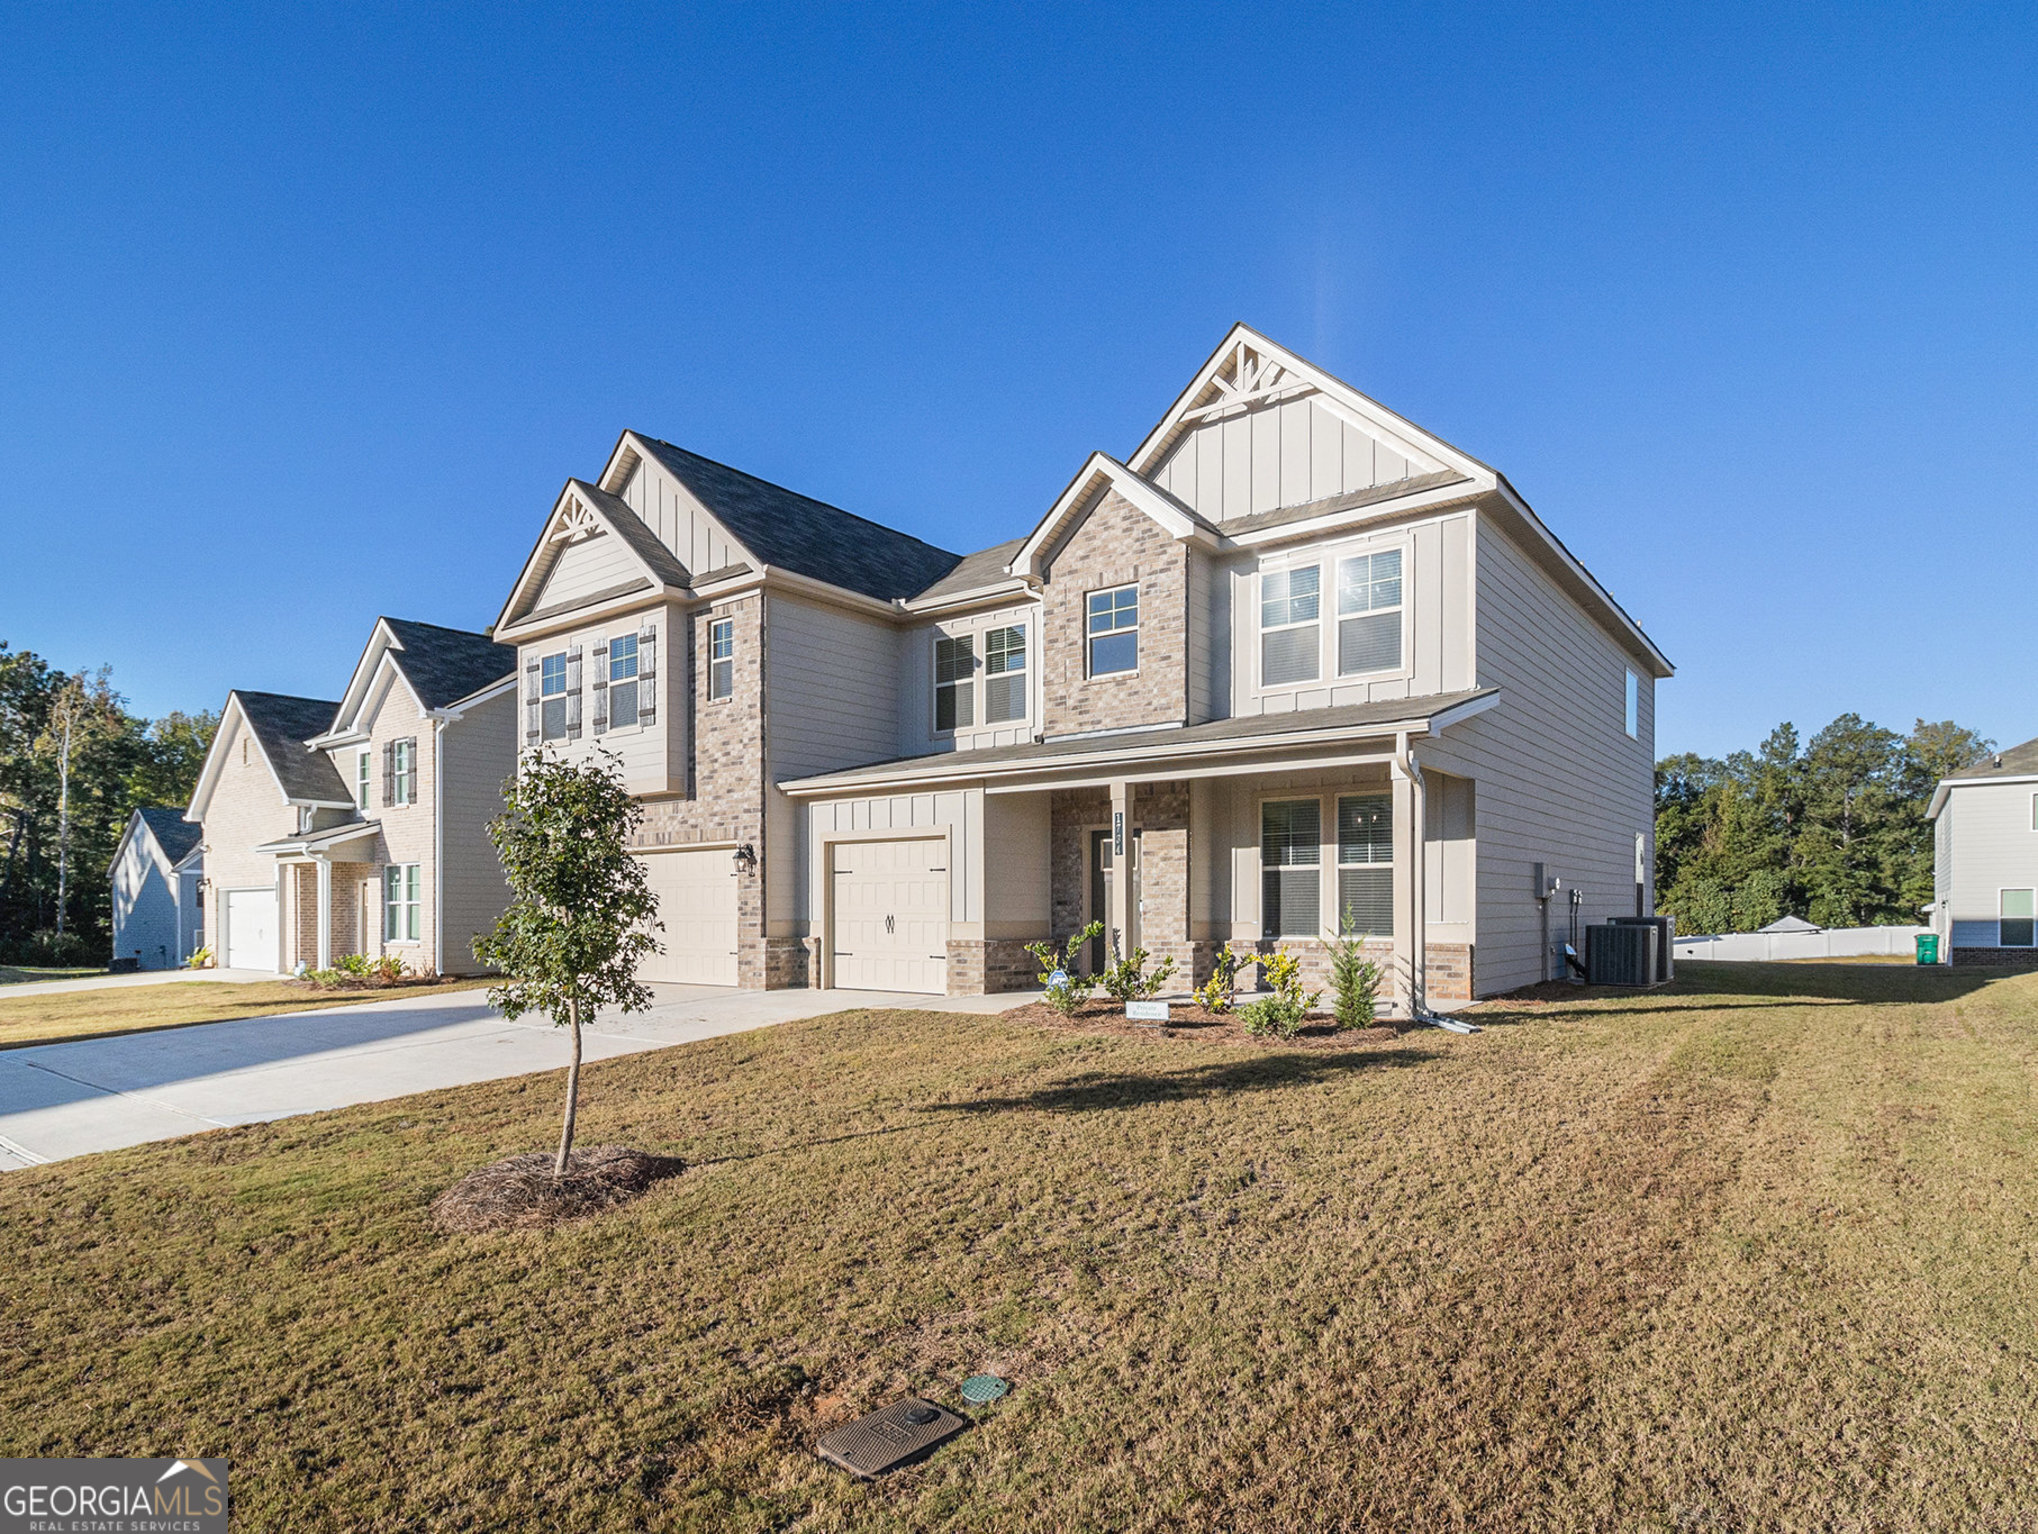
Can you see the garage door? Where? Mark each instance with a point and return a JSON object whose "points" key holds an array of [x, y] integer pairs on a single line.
{"points": [[696, 894], [891, 916], [251, 929]]}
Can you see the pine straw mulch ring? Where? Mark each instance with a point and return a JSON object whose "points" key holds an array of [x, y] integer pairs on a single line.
{"points": [[1188, 1020], [521, 1192]]}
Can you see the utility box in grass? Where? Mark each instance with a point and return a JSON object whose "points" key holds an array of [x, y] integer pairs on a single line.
{"points": [[1621, 954]]}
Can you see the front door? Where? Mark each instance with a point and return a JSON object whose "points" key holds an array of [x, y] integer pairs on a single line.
{"points": [[1100, 899], [889, 916]]}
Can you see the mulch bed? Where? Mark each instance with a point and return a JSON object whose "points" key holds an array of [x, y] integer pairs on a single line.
{"points": [[521, 1192], [365, 983], [1186, 1020]]}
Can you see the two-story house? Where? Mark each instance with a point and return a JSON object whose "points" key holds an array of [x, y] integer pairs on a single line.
{"points": [[1294, 667], [1985, 860], [360, 827]]}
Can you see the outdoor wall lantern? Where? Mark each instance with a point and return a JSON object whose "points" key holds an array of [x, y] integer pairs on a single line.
{"points": [[746, 859]]}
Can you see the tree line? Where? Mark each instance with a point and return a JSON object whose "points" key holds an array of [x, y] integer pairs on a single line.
{"points": [[74, 764], [1832, 830]]}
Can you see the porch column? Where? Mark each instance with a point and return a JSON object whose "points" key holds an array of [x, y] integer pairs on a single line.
{"points": [[286, 916], [325, 912], [1123, 918], [1411, 817]]}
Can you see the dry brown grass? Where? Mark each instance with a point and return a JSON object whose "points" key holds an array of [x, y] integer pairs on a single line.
{"points": [[1755, 1253], [46, 1018]]}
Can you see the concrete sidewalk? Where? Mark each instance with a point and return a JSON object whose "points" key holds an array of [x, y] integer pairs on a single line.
{"points": [[60, 1100]]}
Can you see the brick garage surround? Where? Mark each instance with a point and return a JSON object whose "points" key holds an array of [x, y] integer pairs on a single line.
{"points": [[984, 967], [2009, 958], [726, 773], [1116, 544]]}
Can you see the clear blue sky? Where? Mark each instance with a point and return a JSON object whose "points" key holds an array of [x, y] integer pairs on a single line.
{"points": [[305, 317]]}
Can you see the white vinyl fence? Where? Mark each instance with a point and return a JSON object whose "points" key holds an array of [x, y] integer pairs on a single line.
{"points": [[1846, 942]]}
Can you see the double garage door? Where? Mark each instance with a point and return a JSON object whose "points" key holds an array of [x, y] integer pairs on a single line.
{"points": [[696, 893], [889, 916]]}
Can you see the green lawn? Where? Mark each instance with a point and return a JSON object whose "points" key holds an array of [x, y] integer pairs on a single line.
{"points": [[1754, 1253], [174, 1003]]}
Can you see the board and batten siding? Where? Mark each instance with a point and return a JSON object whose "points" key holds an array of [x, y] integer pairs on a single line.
{"points": [[1208, 634], [478, 753], [679, 521], [585, 568], [1437, 595], [1282, 455], [957, 814], [1992, 848], [1558, 779], [1018, 843]]}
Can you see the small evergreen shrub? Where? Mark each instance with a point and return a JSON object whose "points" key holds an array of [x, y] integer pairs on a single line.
{"points": [[1066, 989], [1356, 979], [1216, 993], [1127, 979]]}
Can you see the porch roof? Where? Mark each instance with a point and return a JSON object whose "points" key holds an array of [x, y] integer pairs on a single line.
{"points": [[1138, 749], [322, 841]]}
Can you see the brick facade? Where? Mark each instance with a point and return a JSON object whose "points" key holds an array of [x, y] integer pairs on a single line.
{"points": [[1117, 544], [979, 967], [1449, 964]]}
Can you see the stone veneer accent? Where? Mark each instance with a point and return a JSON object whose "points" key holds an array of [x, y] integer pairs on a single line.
{"points": [[2013, 958], [979, 967], [726, 772], [1116, 544]]}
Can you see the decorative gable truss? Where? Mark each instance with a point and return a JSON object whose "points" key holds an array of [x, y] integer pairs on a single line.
{"points": [[593, 550]]}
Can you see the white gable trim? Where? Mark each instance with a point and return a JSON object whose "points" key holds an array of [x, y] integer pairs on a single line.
{"points": [[1271, 374], [1102, 471], [575, 514]]}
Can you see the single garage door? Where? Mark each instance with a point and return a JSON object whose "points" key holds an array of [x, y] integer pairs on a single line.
{"points": [[890, 916], [251, 929], [696, 893]]}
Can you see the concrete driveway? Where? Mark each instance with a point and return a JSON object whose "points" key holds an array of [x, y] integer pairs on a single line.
{"points": [[59, 1100]]}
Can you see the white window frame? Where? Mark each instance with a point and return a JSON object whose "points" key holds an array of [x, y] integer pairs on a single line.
{"points": [[1287, 573], [364, 779], [2017, 889], [1090, 671], [402, 904], [1023, 671], [721, 668], [1631, 704], [547, 693], [1334, 605], [614, 681], [964, 687], [2034, 812]]}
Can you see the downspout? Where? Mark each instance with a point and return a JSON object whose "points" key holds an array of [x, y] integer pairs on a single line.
{"points": [[1405, 764]]}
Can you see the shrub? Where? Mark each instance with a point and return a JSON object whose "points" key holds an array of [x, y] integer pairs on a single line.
{"points": [[1356, 980], [1281, 1013], [200, 958], [1127, 979], [1066, 990], [1215, 994]]}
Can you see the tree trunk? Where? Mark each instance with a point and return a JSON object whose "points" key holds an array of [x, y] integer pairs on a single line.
{"points": [[572, 1087]]}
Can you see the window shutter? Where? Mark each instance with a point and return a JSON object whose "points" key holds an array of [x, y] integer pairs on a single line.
{"points": [[388, 773], [573, 692], [647, 674], [531, 701], [601, 689]]}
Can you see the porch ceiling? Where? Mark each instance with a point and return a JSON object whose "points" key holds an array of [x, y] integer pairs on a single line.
{"points": [[1222, 746]]}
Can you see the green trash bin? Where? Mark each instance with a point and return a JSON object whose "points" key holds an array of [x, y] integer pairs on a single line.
{"points": [[1928, 948]]}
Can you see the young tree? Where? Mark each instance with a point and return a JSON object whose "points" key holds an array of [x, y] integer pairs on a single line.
{"points": [[581, 912]]}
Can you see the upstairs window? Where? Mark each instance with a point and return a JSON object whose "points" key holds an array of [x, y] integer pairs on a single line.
{"points": [[1365, 865], [1114, 631], [722, 658], [1369, 613], [1290, 637], [1633, 714], [1005, 675], [552, 693], [2018, 923], [401, 772], [363, 775], [622, 681], [955, 665], [1291, 856]]}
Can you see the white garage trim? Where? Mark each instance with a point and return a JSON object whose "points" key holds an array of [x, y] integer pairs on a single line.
{"points": [[915, 956]]}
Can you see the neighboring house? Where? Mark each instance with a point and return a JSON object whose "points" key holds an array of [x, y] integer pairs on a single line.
{"points": [[156, 869], [359, 827], [1208, 700], [1985, 860]]}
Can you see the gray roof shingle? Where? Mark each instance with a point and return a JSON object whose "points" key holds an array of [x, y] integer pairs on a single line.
{"points": [[986, 567], [283, 724], [810, 537], [173, 833], [445, 665], [2014, 762]]}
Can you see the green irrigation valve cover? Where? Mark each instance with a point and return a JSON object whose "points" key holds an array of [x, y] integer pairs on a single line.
{"points": [[982, 1389]]}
